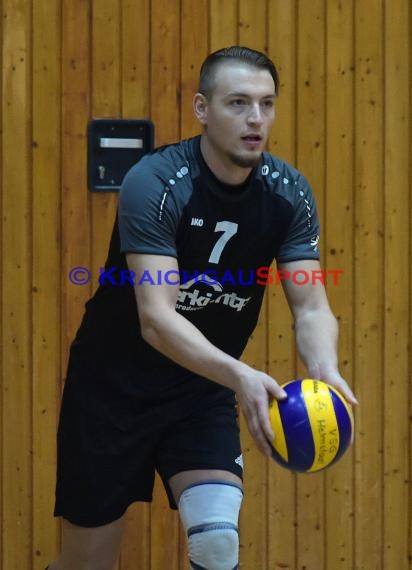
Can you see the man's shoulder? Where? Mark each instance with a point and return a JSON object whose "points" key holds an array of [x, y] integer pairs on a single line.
{"points": [[276, 169], [283, 181], [167, 168], [171, 161]]}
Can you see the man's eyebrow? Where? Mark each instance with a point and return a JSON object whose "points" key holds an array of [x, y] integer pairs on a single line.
{"points": [[239, 94]]}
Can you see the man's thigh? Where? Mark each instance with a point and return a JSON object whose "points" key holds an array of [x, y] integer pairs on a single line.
{"points": [[205, 446], [179, 482], [97, 547]]}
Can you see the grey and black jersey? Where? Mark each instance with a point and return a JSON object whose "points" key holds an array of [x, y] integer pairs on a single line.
{"points": [[171, 204]]}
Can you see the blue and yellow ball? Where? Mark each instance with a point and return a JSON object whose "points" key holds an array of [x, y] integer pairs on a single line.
{"points": [[313, 427]]}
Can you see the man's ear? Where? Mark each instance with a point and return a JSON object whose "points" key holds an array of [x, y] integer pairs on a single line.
{"points": [[200, 108]]}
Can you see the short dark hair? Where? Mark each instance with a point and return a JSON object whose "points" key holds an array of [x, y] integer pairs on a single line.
{"points": [[234, 53]]}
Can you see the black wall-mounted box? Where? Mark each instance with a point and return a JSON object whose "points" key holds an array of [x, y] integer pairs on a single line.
{"points": [[114, 146]]}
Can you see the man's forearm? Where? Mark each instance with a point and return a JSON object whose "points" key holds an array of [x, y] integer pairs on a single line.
{"points": [[174, 336], [317, 339], [178, 339]]}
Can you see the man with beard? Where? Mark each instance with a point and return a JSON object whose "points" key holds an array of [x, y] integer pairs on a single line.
{"points": [[154, 371]]}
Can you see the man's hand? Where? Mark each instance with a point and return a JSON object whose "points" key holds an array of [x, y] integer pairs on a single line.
{"points": [[254, 392], [316, 328], [335, 379]]}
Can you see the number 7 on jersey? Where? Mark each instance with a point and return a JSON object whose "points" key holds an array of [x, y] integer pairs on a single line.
{"points": [[229, 229]]}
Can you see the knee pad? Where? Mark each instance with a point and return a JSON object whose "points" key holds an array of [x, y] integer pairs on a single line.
{"points": [[210, 512]]}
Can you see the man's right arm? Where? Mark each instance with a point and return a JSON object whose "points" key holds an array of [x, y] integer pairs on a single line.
{"points": [[178, 339]]}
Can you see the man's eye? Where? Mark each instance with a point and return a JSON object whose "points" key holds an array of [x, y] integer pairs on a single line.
{"points": [[268, 104], [238, 102]]}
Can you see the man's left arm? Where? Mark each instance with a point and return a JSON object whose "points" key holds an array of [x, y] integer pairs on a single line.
{"points": [[316, 328]]}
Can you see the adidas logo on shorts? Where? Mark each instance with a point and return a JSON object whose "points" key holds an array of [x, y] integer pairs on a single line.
{"points": [[239, 460]]}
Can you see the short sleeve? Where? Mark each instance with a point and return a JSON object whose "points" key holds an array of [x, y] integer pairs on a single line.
{"points": [[147, 214], [302, 238]]}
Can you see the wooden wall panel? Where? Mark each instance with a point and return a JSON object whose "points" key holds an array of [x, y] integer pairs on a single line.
{"points": [[310, 159], [194, 49], [75, 215], [165, 113], [165, 72], [338, 255], [343, 117], [2, 462], [46, 293], [397, 212], [135, 103], [252, 32], [369, 275], [282, 507], [2, 273], [223, 15], [16, 485], [105, 103], [135, 58]]}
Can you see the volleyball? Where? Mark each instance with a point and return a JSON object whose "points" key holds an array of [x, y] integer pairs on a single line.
{"points": [[313, 426]]}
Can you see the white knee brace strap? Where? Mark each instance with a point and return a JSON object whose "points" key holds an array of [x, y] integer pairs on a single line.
{"points": [[210, 513]]}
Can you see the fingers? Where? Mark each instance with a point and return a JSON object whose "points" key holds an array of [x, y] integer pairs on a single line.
{"points": [[260, 436], [266, 426], [276, 391], [349, 395], [344, 389], [256, 410]]}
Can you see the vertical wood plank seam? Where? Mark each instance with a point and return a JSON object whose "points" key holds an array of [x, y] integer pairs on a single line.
{"points": [[149, 86], [29, 230], [354, 250], [324, 222], [150, 79], [209, 27], [384, 248], [120, 60], [409, 553], [90, 58], [90, 116], [384, 291], [60, 217], [409, 174], [121, 67], [1, 283], [353, 280], [238, 21]]}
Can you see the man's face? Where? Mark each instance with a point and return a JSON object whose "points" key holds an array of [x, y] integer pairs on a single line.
{"points": [[239, 113]]}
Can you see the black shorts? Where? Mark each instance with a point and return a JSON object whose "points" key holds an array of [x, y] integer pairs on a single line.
{"points": [[111, 442]]}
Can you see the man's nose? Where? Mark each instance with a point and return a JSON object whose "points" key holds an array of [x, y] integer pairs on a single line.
{"points": [[255, 115]]}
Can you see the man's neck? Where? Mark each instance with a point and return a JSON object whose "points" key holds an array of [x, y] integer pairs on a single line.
{"points": [[224, 170]]}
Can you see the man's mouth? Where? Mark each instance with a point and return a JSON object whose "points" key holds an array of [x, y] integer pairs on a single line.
{"points": [[252, 141]]}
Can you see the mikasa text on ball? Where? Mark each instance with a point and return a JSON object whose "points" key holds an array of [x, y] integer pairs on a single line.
{"points": [[313, 426]]}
